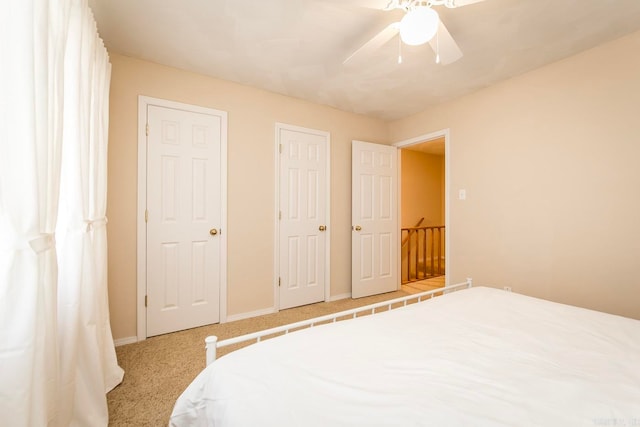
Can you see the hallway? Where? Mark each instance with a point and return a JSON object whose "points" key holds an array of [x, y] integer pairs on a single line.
{"points": [[424, 285]]}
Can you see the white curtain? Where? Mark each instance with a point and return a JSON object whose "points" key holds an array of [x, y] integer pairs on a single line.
{"points": [[87, 356], [57, 358]]}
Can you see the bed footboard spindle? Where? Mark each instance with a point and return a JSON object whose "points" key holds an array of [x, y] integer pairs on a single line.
{"points": [[212, 342]]}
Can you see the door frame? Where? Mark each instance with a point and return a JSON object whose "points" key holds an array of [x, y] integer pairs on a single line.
{"points": [[447, 187], [141, 282], [276, 262]]}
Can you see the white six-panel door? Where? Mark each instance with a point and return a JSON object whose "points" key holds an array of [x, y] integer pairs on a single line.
{"points": [[183, 218], [303, 225], [375, 219]]}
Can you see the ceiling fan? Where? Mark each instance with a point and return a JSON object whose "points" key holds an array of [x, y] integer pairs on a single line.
{"points": [[420, 24]]}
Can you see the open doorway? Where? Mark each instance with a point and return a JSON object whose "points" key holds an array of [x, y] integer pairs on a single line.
{"points": [[423, 210]]}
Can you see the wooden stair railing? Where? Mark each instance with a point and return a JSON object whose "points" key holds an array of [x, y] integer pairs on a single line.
{"points": [[406, 239], [424, 253]]}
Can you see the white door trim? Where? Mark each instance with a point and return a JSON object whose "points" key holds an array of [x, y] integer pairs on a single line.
{"points": [[447, 185], [143, 103], [276, 262]]}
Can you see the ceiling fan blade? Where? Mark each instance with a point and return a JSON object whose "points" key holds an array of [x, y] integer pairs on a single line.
{"points": [[445, 46], [374, 43]]}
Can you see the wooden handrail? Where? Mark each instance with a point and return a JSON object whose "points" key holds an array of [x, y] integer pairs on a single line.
{"points": [[406, 239]]}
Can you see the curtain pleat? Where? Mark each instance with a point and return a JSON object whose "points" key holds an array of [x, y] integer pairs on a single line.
{"points": [[88, 363], [57, 358]]}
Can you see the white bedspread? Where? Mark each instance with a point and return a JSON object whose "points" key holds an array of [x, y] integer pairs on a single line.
{"points": [[478, 357]]}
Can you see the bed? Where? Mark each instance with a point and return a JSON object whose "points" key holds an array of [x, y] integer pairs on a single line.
{"points": [[474, 357]]}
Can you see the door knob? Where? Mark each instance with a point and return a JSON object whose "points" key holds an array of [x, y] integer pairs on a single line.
{"points": [[322, 228], [213, 231], [358, 228]]}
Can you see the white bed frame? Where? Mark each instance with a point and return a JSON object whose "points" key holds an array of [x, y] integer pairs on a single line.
{"points": [[212, 343]]}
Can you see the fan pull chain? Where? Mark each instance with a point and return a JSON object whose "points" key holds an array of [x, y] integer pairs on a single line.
{"points": [[399, 50]]}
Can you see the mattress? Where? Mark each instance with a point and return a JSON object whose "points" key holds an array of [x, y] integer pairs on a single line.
{"points": [[478, 357]]}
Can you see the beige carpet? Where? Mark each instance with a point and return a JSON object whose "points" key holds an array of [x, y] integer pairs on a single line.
{"points": [[158, 369]]}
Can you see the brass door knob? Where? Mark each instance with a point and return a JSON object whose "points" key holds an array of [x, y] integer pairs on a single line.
{"points": [[358, 228], [322, 228], [213, 231]]}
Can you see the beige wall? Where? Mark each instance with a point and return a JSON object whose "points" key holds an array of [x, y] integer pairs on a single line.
{"points": [[422, 187], [251, 168], [550, 162], [548, 159]]}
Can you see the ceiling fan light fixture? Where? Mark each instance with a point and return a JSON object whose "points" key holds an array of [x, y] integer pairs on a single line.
{"points": [[419, 25]]}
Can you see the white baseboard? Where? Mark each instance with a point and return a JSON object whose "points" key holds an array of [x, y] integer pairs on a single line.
{"points": [[241, 316], [124, 341], [338, 297]]}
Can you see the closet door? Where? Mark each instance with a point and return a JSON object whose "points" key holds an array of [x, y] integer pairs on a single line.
{"points": [[184, 212], [303, 216]]}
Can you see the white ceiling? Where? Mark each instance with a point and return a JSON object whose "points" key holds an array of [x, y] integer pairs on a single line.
{"points": [[296, 47]]}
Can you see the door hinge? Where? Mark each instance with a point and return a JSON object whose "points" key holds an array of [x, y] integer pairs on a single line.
{"points": [[146, 215], [278, 282], [279, 214], [147, 129], [146, 300], [280, 148]]}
